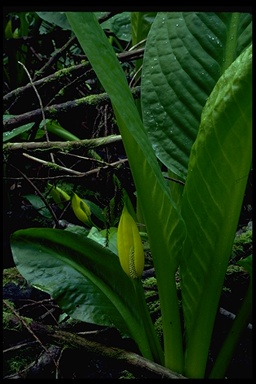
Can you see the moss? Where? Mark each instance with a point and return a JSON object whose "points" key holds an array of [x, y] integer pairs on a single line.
{"points": [[234, 269], [150, 282], [18, 363], [53, 166], [12, 322], [127, 375], [7, 314], [154, 306], [12, 275], [242, 244], [92, 99]]}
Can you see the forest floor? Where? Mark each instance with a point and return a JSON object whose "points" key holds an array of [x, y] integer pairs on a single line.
{"points": [[40, 341]]}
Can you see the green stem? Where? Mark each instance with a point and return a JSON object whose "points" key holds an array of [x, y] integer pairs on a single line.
{"points": [[171, 322], [227, 349], [153, 342]]}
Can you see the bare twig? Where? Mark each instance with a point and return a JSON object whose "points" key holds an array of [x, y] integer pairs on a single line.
{"points": [[71, 72], [55, 57], [40, 194], [72, 171], [29, 329], [19, 346], [39, 99], [41, 106], [52, 165]]}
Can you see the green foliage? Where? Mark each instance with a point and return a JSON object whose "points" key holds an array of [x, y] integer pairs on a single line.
{"points": [[206, 120], [186, 54], [7, 136], [127, 375], [16, 27]]}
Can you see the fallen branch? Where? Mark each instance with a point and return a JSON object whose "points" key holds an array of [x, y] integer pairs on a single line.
{"points": [[131, 359], [62, 145], [53, 335], [71, 73], [53, 111]]}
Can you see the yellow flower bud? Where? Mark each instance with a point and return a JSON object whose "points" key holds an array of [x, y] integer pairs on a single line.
{"points": [[81, 210], [58, 195], [129, 246]]}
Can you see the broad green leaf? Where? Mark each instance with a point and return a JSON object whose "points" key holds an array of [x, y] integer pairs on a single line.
{"points": [[77, 229], [120, 25], [217, 176], [164, 224], [57, 18], [105, 237], [58, 195], [55, 128], [16, 132], [39, 205], [84, 278], [185, 55], [95, 209]]}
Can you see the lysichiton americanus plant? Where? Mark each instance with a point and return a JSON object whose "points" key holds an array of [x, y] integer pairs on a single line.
{"points": [[196, 117]]}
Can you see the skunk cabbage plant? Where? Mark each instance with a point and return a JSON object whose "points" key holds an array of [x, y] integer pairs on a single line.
{"points": [[196, 120]]}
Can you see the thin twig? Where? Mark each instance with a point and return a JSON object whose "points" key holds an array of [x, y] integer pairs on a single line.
{"points": [[41, 107], [21, 319], [39, 193], [71, 72], [59, 167], [15, 347], [52, 165], [55, 57]]}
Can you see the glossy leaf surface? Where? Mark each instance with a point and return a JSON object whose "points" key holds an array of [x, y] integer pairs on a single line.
{"points": [[185, 55], [90, 288], [217, 176]]}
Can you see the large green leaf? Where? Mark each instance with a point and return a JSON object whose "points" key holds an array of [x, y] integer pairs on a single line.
{"points": [[56, 18], [43, 256], [164, 224], [120, 25], [217, 176], [85, 278], [185, 55]]}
